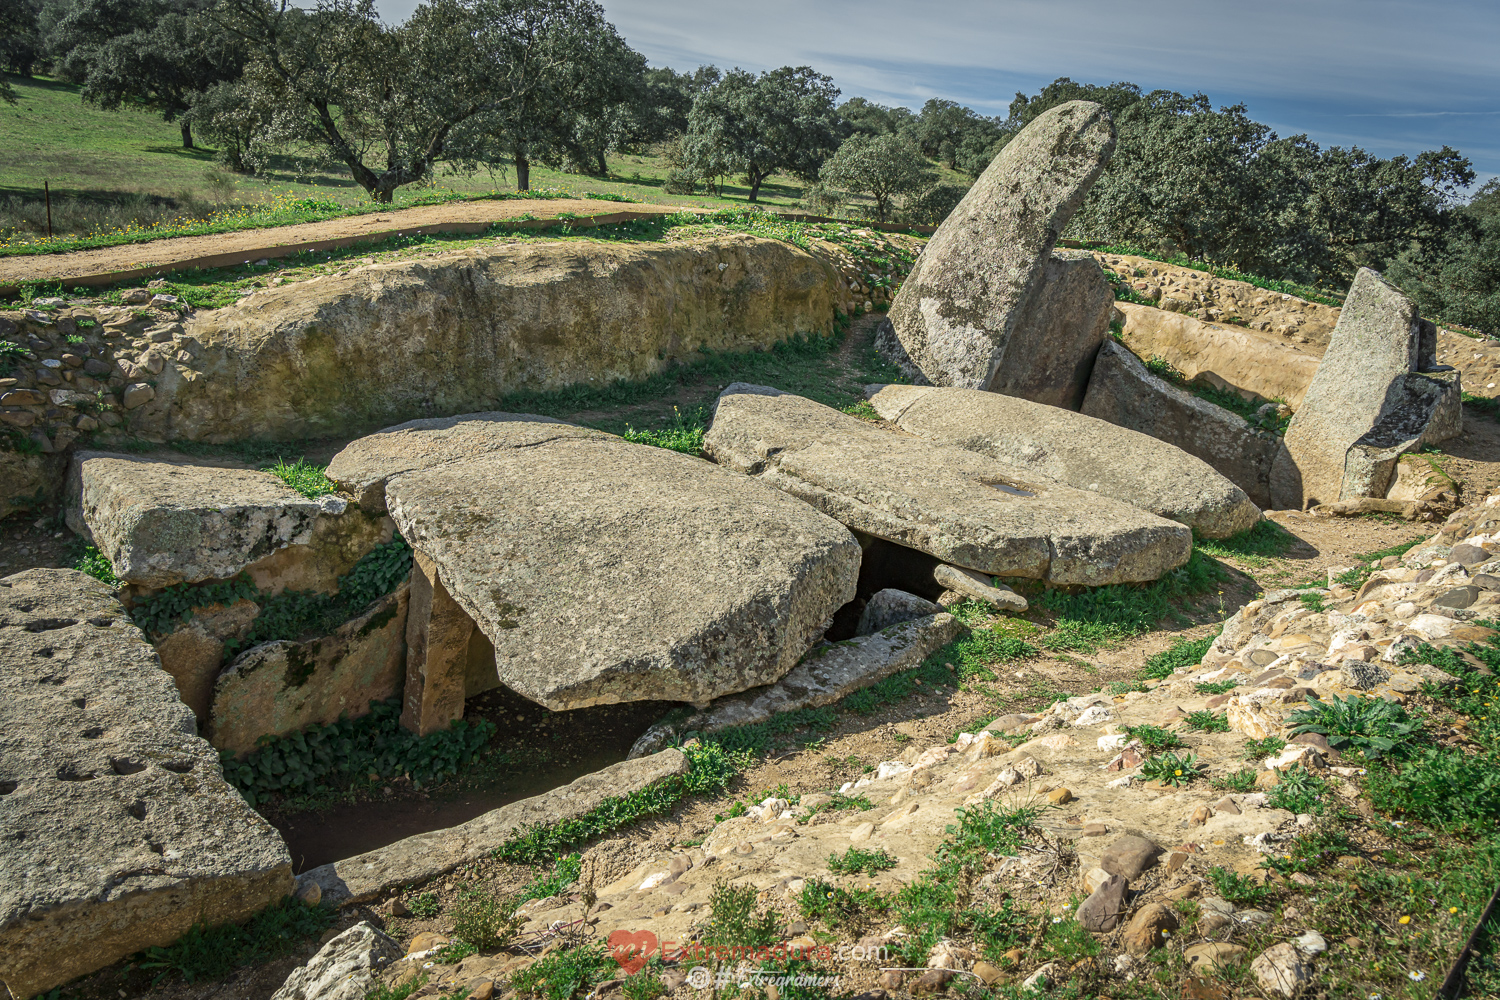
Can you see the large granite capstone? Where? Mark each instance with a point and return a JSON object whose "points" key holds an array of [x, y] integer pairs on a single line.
{"points": [[983, 273], [1378, 394], [118, 827], [604, 571], [1075, 450], [962, 507]]}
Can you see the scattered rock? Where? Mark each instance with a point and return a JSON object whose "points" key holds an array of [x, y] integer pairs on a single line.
{"points": [[1147, 930], [1281, 969], [344, 968], [1130, 857], [1102, 911], [1213, 956], [978, 586]]}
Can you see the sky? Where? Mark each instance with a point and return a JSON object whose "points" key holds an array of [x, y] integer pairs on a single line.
{"points": [[1391, 77]]}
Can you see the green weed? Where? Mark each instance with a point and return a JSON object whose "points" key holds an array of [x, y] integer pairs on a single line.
{"points": [[734, 922], [1299, 791], [10, 354], [566, 974], [1171, 769], [1207, 722], [1364, 564], [95, 564], [304, 477], [567, 871], [1373, 726], [1260, 749], [684, 434], [1316, 603], [1153, 739], [1242, 890], [1242, 780], [858, 861], [304, 762], [1217, 687], [425, 906], [839, 907], [485, 922]]}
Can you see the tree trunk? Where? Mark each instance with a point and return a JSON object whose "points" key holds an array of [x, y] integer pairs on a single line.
{"points": [[187, 136], [754, 186], [523, 172], [603, 167]]}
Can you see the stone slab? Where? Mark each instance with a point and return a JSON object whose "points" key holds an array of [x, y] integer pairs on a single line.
{"points": [[162, 523], [962, 507], [120, 831], [1051, 352], [979, 275], [1123, 392], [825, 675], [279, 688], [427, 855], [1076, 450], [1376, 395], [604, 571], [365, 466]]}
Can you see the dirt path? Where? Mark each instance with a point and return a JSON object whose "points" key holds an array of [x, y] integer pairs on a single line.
{"points": [[51, 267]]}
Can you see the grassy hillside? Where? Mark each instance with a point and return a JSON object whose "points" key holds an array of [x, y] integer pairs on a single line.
{"points": [[109, 169]]}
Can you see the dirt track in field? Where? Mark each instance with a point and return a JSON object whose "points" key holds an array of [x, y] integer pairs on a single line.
{"points": [[157, 253]]}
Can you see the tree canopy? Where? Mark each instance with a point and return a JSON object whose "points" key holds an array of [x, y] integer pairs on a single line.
{"points": [[782, 120]]}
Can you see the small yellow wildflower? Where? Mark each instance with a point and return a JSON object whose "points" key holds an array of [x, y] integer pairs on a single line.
{"points": [[1404, 920]]}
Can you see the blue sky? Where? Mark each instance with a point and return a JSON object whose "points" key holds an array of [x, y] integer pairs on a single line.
{"points": [[1392, 77]]}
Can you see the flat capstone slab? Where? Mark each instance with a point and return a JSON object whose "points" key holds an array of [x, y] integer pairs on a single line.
{"points": [[604, 571], [118, 827], [162, 523], [1075, 450], [960, 506]]}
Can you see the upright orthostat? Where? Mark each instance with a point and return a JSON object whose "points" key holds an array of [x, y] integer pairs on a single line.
{"points": [[955, 320], [1378, 394]]}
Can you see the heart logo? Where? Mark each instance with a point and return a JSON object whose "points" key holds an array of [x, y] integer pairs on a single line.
{"points": [[631, 949]]}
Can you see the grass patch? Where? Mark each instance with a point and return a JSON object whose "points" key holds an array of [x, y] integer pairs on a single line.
{"points": [[1182, 653], [304, 477], [96, 564], [1242, 780], [1153, 739], [1171, 769], [1086, 620], [206, 952], [685, 434], [1207, 722], [1364, 565], [710, 769], [1254, 548], [1241, 890], [564, 975], [1217, 687]]}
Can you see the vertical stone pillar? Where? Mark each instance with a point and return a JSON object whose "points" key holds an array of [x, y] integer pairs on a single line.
{"points": [[437, 651]]}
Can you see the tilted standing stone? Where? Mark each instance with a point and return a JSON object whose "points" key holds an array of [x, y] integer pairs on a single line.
{"points": [[1378, 393], [954, 319]]}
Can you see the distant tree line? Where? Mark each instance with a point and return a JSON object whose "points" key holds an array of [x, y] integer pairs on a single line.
{"points": [[507, 84]]}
